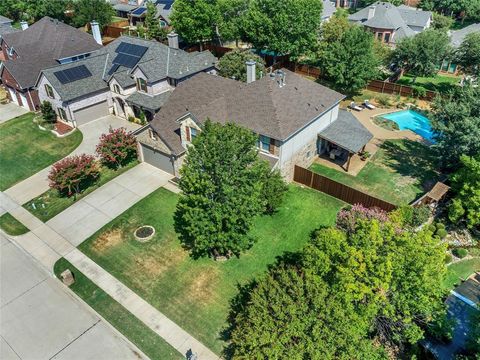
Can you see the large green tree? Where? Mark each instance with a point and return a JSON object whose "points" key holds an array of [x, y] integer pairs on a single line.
{"points": [[441, 22], [283, 26], [222, 183], [34, 10], [465, 8], [466, 189], [86, 11], [195, 20], [232, 64], [152, 24], [456, 122], [231, 15], [420, 54], [348, 55], [346, 296], [468, 55]]}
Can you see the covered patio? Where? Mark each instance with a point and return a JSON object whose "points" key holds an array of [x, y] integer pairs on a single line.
{"points": [[344, 141], [146, 103]]}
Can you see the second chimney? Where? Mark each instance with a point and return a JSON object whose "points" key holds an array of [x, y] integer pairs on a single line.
{"points": [[96, 32], [173, 40], [371, 12], [24, 25], [251, 74]]}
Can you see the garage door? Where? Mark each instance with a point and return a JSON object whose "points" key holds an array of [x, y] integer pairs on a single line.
{"points": [[24, 101], [90, 113], [13, 95], [157, 159]]}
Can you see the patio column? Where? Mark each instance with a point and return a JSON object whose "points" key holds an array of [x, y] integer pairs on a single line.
{"points": [[348, 162]]}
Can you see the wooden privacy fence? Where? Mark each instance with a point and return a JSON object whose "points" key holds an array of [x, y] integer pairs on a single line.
{"points": [[385, 87], [338, 190]]}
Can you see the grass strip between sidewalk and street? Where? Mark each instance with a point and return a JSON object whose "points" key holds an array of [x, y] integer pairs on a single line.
{"points": [[11, 225], [120, 318]]}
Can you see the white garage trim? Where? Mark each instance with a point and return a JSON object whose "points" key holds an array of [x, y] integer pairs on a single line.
{"points": [[13, 95], [90, 113], [24, 101]]}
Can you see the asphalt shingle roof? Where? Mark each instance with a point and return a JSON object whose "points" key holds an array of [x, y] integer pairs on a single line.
{"points": [[5, 20], [41, 45], [262, 106], [457, 36], [149, 102], [158, 62], [347, 132]]}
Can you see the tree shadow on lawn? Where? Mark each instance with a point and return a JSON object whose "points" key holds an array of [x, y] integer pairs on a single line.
{"points": [[413, 159]]}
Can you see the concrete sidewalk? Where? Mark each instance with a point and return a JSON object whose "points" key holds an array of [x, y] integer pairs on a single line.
{"points": [[37, 184], [58, 237]]}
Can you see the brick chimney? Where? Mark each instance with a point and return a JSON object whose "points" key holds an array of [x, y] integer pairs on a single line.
{"points": [[173, 40], [371, 12], [96, 32], [251, 74]]}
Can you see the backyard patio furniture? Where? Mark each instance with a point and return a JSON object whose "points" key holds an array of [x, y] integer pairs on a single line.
{"points": [[369, 106], [355, 107]]}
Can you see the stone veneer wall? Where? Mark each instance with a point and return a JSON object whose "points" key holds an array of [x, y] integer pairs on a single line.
{"points": [[304, 158]]}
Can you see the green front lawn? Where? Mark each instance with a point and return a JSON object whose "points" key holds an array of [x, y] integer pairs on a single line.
{"points": [[441, 83], [196, 293], [51, 203], [460, 270], [120, 318], [11, 225], [25, 149], [399, 172]]}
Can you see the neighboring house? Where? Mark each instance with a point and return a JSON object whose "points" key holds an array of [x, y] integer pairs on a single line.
{"points": [[295, 119], [346, 3], [328, 10], [391, 23], [5, 28], [128, 77], [456, 39], [124, 7], [163, 12], [46, 43]]}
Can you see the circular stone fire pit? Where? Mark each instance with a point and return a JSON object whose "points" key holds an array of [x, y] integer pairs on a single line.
{"points": [[144, 233]]}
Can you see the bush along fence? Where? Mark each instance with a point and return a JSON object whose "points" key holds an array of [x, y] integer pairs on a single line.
{"points": [[340, 191], [386, 87]]}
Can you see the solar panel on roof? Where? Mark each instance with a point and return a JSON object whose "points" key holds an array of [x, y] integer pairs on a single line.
{"points": [[126, 60], [72, 74], [167, 3], [139, 11], [128, 55], [131, 49]]}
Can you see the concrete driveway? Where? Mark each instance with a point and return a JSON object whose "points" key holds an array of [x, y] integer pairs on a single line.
{"points": [[10, 111], [37, 184], [89, 214], [41, 319]]}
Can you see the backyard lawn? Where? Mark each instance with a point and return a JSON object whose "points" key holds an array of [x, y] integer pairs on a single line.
{"points": [[399, 172], [440, 83], [120, 318], [25, 149], [196, 293], [460, 270], [51, 203]]}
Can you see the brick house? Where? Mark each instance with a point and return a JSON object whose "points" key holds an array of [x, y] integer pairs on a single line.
{"points": [[392, 23], [46, 43], [295, 119]]}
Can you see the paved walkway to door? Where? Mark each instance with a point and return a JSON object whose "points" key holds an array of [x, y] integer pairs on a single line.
{"points": [[37, 184], [10, 111], [59, 237]]}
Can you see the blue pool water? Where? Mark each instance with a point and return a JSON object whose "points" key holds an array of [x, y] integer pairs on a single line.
{"points": [[412, 120]]}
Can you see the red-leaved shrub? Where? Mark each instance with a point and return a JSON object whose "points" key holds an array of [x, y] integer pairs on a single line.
{"points": [[74, 173], [117, 148]]}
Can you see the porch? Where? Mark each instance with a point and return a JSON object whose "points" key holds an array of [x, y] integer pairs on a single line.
{"points": [[345, 144]]}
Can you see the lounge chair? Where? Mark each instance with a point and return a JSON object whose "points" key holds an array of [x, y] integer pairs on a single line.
{"points": [[369, 106], [354, 106]]}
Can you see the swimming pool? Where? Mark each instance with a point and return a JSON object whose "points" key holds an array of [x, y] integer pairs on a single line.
{"points": [[412, 120]]}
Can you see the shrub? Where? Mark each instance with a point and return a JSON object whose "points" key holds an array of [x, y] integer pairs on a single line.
{"points": [[440, 226], [441, 233], [420, 215], [474, 251], [384, 101], [448, 258], [347, 218], [419, 91], [48, 114], [273, 190], [442, 328], [432, 228], [72, 174], [117, 148], [460, 253]]}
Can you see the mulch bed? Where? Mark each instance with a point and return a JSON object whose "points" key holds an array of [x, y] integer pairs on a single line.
{"points": [[62, 128]]}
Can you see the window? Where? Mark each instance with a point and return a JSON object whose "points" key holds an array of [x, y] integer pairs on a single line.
{"points": [[152, 134], [62, 114], [142, 84], [193, 133], [380, 36], [49, 91], [264, 143], [387, 37], [190, 133], [116, 89]]}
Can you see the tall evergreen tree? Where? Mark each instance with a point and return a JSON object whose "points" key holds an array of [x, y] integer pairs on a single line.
{"points": [[152, 25]]}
